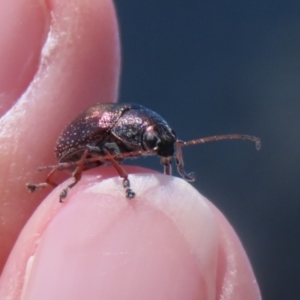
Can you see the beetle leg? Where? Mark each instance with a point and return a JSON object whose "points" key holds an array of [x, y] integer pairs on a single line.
{"points": [[166, 162], [180, 164], [112, 148], [48, 182], [60, 166], [33, 187], [76, 175], [91, 148], [123, 174]]}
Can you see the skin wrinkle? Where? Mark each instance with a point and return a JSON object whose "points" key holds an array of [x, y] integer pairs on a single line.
{"points": [[17, 111], [25, 62]]}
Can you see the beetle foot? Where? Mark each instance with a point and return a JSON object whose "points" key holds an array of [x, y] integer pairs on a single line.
{"points": [[191, 176], [31, 187], [130, 193], [126, 183], [63, 195]]}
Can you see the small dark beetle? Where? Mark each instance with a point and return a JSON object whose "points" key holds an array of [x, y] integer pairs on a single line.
{"points": [[109, 133]]}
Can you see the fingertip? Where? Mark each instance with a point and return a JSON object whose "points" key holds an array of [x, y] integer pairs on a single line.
{"points": [[168, 240], [163, 242]]}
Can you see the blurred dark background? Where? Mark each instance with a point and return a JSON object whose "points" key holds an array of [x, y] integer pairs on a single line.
{"points": [[217, 67]]}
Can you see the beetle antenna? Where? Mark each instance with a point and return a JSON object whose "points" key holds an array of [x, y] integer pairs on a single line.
{"points": [[222, 137], [178, 154]]}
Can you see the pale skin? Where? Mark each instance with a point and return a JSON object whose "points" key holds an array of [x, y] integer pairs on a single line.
{"points": [[57, 58]]}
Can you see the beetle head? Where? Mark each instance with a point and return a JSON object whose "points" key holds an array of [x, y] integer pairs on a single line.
{"points": [[161, 139]]}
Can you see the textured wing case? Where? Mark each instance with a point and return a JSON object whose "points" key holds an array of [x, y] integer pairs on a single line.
{"points": [[91, 126]]}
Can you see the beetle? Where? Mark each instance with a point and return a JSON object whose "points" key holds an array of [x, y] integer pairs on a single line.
{"points": [[110, 133]]}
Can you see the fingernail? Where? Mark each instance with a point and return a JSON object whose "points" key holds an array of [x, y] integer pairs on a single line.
{"points": [[160, 245]]}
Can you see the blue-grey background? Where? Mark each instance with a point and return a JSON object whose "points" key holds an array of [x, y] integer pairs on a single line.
{"points": [[216, 67]]}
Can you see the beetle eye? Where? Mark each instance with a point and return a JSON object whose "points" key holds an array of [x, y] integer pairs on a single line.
{"points": [[150, 141]]}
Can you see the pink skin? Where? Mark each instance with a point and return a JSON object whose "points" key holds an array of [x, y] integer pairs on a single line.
{"points": [[168, 243]]}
